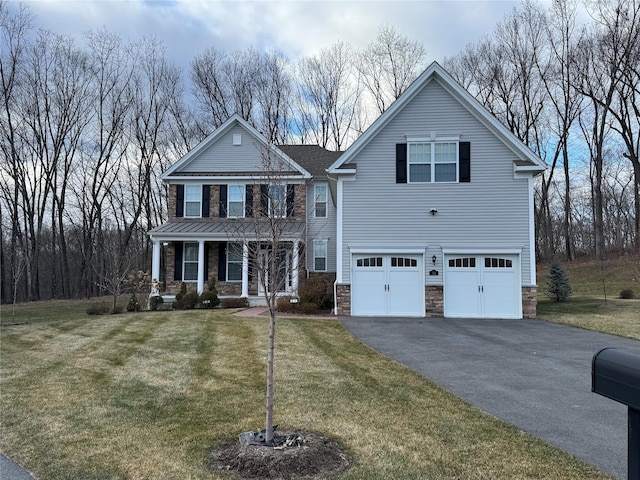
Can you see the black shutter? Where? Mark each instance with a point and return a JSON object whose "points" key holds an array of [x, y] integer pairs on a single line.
{"points": [[179, 200], [464, 149], [223, 201], [248, 201], [291, 196], [222, 262], [264, 200], [177, 271], [401, 163], [206, 197]]}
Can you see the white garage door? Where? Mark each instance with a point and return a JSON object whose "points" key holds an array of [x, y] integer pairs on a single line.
{"points": [[482, 286], [387, 285]]}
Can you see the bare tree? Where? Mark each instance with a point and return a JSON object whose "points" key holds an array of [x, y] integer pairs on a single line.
{"points": [[328, 97], [389, 65], [270, 239], [604, 55]]}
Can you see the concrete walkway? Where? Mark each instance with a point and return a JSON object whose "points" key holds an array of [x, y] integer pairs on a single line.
{"points": [[533, 374]]}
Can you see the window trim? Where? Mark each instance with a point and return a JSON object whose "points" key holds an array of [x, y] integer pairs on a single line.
{"points": [[315, 200], [243, 187], [185, 247], [188, 187], [324, 244], [234, 262], [432, 142]]}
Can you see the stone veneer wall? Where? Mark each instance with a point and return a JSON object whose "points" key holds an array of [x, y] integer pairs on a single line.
{"points": [[529, 302], [299, 202], [435, 300], [343, 295]]}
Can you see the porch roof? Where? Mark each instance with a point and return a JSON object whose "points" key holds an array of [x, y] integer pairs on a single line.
{"points": [[226, 229]]}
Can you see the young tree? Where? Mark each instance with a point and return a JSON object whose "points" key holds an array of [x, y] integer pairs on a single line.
{"points": [[558, 286], [271, 238]]}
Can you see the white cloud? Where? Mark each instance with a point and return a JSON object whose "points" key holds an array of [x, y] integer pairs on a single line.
{"points": [[294, 27]]}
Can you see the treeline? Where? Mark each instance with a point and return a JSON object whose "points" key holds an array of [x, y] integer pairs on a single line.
{"points": [[572, 93], [87, 127]]}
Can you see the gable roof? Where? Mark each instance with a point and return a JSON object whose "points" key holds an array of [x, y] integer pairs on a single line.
{"points": [[527, 161], [235, 119], [312, 158]]}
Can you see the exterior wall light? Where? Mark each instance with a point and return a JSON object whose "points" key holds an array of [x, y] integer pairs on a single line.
{"points": [[433, 211], [434, 259]]}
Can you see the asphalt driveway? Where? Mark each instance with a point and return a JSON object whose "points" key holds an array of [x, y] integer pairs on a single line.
{"points": [[533, 374]]}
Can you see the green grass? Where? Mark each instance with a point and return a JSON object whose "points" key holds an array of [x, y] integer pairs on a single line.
{"points": [[148, 395], [595, 303]]}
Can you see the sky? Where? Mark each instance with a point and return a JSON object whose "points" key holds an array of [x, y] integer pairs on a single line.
{"points": [[295, 28]]}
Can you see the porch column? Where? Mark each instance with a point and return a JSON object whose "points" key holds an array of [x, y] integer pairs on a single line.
{"points": [[200, 266], [295, 266], [245, 270], [155, 261]]}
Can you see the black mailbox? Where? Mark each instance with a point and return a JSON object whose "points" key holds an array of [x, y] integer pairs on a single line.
{"points": [[616, 374]]}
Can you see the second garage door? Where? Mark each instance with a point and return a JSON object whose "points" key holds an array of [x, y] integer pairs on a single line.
{"points": [[482, 286], [387, 285]]}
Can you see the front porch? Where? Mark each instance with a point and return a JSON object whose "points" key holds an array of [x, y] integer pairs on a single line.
{"points": [[240, 269]]}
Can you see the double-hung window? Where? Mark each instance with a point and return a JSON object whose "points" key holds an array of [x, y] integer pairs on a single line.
{"points": [[320, 255], [277, 200], [192, 200], [234, 262], [320, 200], [235, 201], [433, 161], [190, 263]]}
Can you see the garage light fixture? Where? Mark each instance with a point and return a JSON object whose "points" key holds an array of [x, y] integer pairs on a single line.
{"points": [[433, 211]]}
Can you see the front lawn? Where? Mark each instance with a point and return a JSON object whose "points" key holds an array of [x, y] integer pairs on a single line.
{"points": [[595, 303], [148, 395]]}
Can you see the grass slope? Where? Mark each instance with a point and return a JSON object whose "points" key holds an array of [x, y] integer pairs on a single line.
{"points": [[147, 395], [595, 303]]}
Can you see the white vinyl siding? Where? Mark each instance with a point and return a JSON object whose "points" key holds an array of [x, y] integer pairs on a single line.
{"points": [[320, 228], [380, 213], [192, 200], [225, 157]]}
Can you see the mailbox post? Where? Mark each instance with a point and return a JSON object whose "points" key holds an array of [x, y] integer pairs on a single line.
{"points": [[616, 375]]}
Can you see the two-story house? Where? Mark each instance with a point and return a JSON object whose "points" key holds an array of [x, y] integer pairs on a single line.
{"points": [[429, 212], [222, 196]]}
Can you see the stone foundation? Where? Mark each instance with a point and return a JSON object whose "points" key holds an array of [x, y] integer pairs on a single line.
{"points": [[435, 300], [343, 297], [529, 302]]}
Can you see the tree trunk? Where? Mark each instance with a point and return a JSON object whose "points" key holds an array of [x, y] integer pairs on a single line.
{"points": [[270, 361]]}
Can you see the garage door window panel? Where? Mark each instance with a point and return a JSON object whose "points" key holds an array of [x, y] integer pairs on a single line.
{"points": [[467, 262], [493, 262], [369, 262]]}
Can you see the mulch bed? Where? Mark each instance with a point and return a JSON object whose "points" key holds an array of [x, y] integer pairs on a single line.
{"points": [[318, 457]]}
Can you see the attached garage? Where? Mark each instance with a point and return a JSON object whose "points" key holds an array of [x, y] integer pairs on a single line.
{"points": [[482, 285], [387, 285]]}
